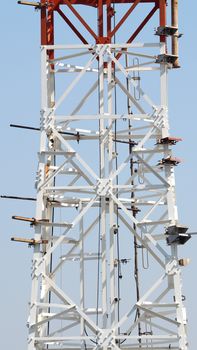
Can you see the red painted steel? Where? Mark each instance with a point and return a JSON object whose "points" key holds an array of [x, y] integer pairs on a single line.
{"points": [[140, 27], [162, 17], [43, 13], [47, 26], [123, 19], [108, 3], [94, 3], [65, 18], [105, 31], [80, 18], [100, 18]]}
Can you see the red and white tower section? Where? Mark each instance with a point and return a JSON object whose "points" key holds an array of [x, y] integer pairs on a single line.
{"points": [[106, 272]]}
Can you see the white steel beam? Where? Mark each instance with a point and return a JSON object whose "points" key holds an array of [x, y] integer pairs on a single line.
{"points": [[90, 206]]}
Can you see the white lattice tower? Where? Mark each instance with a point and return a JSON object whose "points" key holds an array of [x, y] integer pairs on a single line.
{"points": [[90, 205]]}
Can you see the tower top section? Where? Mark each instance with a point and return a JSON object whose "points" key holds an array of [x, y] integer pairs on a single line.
{"points": [[102, 23], [107, 23]]}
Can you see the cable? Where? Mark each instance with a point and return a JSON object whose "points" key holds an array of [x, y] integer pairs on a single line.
{"points": [[86, 333], [51, 256], [99, 228], [119, 273], [136, 272], [99, 232], [61, 254], [85, 345], [117, 221], [98, 267]]}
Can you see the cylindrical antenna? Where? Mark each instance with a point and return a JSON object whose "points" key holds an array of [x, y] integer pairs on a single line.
{"points": [[175, 43]]}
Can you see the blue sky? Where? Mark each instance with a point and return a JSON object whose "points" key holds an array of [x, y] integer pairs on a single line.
{"points": [[20, 101]]}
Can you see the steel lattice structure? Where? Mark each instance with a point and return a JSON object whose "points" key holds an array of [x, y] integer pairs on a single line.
{"points": [[105, 178]]}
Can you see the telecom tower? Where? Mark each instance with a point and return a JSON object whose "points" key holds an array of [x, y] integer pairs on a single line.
{"points": [[106, 272]]}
